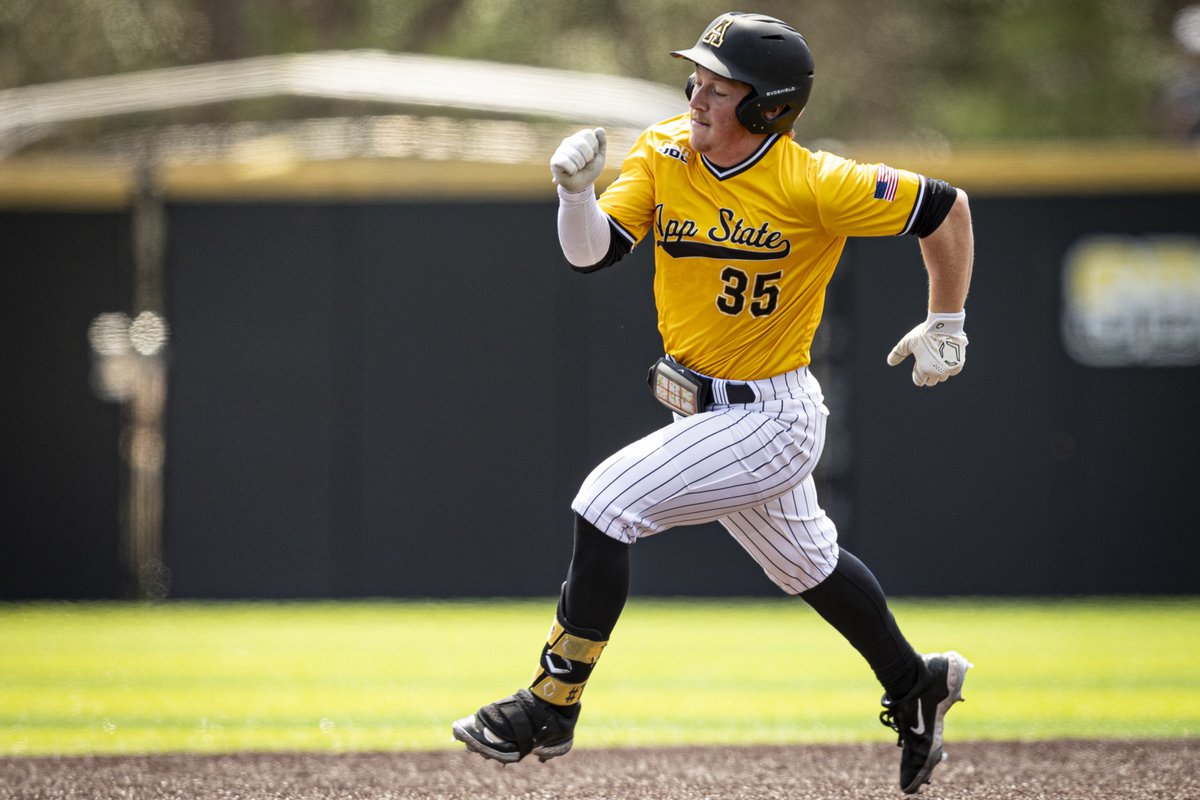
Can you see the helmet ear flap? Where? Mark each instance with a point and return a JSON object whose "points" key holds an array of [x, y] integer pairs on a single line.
{"points": [[750, 114], [753, 112], [690, 86]]}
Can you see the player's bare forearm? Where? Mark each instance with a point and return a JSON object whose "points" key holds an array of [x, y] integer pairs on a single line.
{"points": [[949, 253]]}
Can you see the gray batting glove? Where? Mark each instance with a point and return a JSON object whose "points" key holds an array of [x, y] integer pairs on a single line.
{"points": [[938, 347], [578, 161]]}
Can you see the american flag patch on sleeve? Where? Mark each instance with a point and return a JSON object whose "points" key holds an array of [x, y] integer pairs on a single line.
{"points": [[886, 181]]}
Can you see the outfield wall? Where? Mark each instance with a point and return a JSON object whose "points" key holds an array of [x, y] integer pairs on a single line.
{"points": [[397, 396]]}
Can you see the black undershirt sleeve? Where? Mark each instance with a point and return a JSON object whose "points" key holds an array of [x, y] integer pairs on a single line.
{"points": [[939, 197]]}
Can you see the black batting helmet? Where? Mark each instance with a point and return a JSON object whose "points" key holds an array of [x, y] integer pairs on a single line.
{"points": [[764, 52]]}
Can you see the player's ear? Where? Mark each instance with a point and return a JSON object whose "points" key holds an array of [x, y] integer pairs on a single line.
{"points": [[777, 110], [690, 86]]}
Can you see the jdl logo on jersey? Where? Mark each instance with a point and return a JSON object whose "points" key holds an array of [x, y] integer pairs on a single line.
{"points": [[671, 150]]}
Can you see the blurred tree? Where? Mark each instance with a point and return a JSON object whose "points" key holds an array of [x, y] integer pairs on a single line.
{"points": [[1028, 69], [925, 70], [52, 40]]}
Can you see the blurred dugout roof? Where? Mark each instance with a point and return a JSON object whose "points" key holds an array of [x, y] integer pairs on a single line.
{"points": [[428, 126], [359, 75], [491, 114]]}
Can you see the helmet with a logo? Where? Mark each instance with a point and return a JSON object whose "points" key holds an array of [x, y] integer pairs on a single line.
{"points": [[764, 52]]}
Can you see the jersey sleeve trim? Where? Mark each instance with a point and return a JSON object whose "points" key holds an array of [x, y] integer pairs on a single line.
{"points": [[916, 209], [619, 230], [932, 206]]}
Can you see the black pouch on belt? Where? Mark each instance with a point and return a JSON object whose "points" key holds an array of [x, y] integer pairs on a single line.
{"points": [[677, 387]]}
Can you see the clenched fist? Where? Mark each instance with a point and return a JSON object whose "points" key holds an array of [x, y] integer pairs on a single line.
{"points": [[578, 161]]}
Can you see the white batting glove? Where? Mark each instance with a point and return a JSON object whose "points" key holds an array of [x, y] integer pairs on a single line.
{"points": [[578, 161], [938, 347]]}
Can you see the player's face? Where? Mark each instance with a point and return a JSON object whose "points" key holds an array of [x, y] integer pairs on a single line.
{"points": [[716, 130]]}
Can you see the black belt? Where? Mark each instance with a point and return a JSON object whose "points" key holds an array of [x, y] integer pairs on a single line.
{"points": [[738, 393]]}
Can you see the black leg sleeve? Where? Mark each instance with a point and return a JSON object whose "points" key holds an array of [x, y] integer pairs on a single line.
{"points": [[598, 580], [852, 601]]}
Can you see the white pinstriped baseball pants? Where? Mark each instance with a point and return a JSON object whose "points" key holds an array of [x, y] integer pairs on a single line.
{"points": [[747, 466]]}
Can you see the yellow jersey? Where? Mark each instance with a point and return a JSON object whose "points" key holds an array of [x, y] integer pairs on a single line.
{"points": [[743, 254]]}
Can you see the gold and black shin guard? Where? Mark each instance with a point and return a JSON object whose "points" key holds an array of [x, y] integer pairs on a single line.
{"points": [[566, 664]]}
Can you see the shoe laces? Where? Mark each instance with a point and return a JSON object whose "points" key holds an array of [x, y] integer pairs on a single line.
{"points": [[890, 717]]}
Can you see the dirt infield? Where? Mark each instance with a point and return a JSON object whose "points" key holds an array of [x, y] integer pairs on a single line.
{"points": [[1063, 770]]}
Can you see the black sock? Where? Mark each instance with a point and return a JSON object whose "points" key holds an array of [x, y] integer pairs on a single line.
{"points": [[852, 601], [598, 580]]}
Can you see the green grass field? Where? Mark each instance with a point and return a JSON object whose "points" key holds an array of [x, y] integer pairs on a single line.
{"points": [[113, 678]]}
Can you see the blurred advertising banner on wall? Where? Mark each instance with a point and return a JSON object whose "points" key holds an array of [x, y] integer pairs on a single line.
{"points": [[1132, 301]]}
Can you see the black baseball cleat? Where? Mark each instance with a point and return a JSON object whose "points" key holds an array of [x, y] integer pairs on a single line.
{"points": [[510, 729], [917, 718]]}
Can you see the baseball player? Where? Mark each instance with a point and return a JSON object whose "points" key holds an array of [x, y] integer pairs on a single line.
{"points": [[747, 227]]}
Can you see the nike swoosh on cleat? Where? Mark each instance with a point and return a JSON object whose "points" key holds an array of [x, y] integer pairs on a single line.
{"points": [[920, 726]]}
